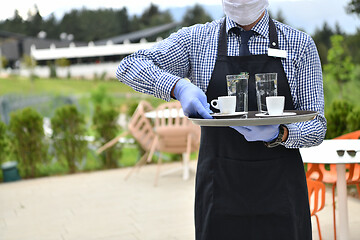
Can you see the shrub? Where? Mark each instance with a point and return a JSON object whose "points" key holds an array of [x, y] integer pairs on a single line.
{"points": [[4, 143], [336, 118], [68, 135], [105, 124], [101, 97], [3, 62], [353, 120], [27, 131], [62, 62]]}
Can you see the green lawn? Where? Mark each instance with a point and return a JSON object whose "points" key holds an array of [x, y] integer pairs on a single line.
{"points": [[22, 85]]}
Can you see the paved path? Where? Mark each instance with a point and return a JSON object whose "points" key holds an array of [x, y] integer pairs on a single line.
{"points": [[102, 206]]}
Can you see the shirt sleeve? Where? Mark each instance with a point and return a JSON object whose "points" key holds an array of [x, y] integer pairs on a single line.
{"points": [[155, 71], [310, 96]]}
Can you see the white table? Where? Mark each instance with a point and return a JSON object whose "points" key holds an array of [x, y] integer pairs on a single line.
{"points": [[326, 153], [167, 113]]}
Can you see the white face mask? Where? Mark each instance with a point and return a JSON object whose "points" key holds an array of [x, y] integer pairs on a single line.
{"points": [[244, 12]]}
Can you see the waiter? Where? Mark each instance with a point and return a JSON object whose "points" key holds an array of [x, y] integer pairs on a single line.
{"points": [[250, 181]]}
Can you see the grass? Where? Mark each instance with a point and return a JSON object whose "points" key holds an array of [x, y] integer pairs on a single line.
{"points": [[40, 86]]}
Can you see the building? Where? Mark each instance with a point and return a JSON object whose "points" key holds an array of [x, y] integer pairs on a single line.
{"points": [[86, 60]]}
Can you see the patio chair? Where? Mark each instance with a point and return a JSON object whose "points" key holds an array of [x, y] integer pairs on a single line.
{"points": [[174, 133], [142, 129], [316, 191], [328, 174]]}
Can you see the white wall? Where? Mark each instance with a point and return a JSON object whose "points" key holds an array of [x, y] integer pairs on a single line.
{"points": [[87, 71]]}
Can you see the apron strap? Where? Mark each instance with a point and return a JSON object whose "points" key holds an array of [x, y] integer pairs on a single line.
{"points": [[273, 38], [222, 42]]}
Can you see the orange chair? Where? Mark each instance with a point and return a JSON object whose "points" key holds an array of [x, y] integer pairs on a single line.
{"points": [[328, 174], [316, 191]]}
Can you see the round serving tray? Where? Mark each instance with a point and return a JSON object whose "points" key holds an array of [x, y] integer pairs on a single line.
{"points": [[251, 120]]}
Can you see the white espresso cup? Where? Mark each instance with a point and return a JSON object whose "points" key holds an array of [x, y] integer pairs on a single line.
{"points": [[226, 104], [275, 105]]}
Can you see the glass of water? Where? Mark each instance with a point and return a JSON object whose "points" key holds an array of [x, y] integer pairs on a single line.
{"points": [[266, 86], [237, 85]]}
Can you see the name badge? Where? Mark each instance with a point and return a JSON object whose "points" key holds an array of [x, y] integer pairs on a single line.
{"points": [[272, 52]]}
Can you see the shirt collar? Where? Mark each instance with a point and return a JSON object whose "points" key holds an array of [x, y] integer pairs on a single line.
{"points": [[261, 28]]}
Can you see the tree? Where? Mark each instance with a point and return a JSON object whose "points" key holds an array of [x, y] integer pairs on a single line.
{"points": [[353, 7], [123, 21], [323, 35], [91, 25], [339, 65], [68, 135], [51, 27], [195, 15], [27, 131], [15, 24], [152, 16], [322, 40], [352, 41], [34, 23], [280, 16], [106, 127]]}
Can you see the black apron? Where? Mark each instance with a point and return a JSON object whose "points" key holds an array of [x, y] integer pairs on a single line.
{"points": [[245, 190]]}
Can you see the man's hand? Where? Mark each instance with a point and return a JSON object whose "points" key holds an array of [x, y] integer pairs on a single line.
{"points": [[264, 133], [193, 100]]}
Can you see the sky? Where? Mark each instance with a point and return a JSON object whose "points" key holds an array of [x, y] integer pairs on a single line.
{"points": [[46, 7], [304, 14]]}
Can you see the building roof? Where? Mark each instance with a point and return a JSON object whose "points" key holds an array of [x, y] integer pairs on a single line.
{"points": [[134, 36]]}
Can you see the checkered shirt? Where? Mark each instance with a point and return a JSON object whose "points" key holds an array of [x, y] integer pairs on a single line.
{"points": [[191, 53]]}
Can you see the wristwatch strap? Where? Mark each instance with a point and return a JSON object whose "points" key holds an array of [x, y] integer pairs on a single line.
{"points": [[277, 141]]}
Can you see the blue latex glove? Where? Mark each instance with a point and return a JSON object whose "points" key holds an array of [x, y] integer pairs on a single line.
{"points": [[264, 133], [193, 100]]}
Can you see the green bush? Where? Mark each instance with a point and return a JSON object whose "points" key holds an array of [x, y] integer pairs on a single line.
{"points": [[4, 143], [27, 131], [336, 118], [342, 118], [106, 127], [68, 135], [3, 62], [353, 120], [100, 96]]}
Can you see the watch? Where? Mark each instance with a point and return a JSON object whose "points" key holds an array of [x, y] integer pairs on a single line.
{"points": [[278, 140]]}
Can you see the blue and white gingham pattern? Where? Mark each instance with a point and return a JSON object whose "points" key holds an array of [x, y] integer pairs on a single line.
{"points": [[191, 52]]}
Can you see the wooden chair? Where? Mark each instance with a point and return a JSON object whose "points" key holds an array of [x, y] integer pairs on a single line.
{"points": [[170, 133], [316, 191], [327, 174], [141, 128], [174, 133]]}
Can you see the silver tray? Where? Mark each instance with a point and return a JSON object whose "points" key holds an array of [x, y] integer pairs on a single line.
{"points": [[251, 120]]}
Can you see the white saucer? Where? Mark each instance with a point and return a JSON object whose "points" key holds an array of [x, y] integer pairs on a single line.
{"points": [[227, 115], [281, 115]]}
